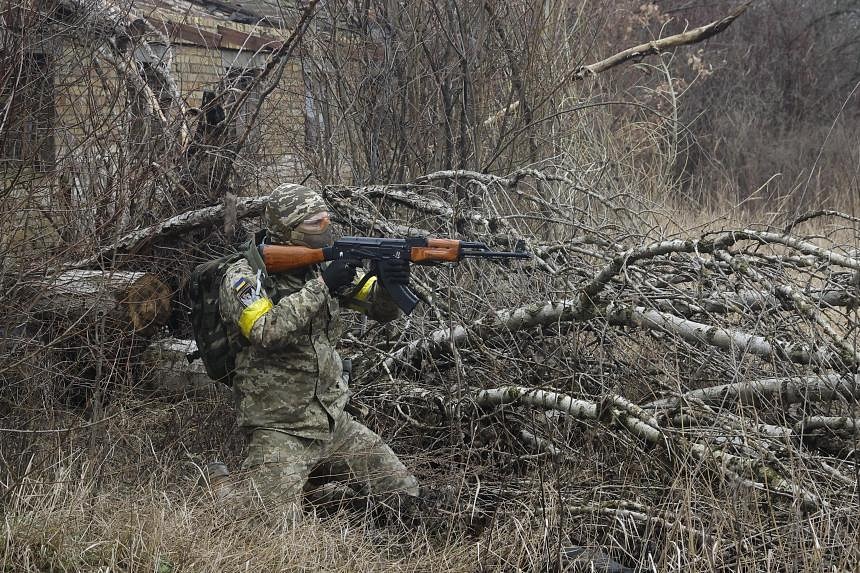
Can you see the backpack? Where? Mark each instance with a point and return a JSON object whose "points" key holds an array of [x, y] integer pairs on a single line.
{"points": [[218, 343]]}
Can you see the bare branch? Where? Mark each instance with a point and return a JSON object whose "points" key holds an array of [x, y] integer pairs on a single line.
{"points": [[788, 390], [693, 36], [182, 223]]}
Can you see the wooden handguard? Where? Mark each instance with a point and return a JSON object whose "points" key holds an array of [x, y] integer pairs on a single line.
{"points": [[279, 259], [447, 250]]}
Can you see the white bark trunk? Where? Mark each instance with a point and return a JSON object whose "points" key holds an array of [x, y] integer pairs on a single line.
{"points": [[789, 390], [627, 415], [511, 320]]}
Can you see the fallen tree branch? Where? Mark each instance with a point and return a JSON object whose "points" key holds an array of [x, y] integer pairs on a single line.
{"points": [[788, 390], [693, 36], [183, 223], [134, 241], [820, 213], [511, 320], [723, 338], [648, 430], [710, 245], [798, 300], [846, 424], [637, 513], [825, 255], [508, 320], [750, 300], [422, 203]]}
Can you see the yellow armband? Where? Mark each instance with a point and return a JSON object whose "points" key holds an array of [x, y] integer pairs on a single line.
{"points": [[365, 289], [254, 312], [357, 300]]}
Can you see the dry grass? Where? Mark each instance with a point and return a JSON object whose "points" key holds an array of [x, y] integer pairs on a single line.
{"points": [[131, 503], [66, 525], [134, 504]]}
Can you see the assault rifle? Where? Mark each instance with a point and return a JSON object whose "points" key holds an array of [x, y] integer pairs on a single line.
{"points": [[418, 250]]}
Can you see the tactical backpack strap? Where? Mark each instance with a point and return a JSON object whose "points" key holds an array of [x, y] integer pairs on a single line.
{"points": [[252, 254], [218, 343]]}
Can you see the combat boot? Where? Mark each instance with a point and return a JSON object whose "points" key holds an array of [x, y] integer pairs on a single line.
{"points": [[216, 477]]}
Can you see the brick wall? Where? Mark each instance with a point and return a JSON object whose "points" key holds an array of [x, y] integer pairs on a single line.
{"points": [[274, 153], [103, 175]]}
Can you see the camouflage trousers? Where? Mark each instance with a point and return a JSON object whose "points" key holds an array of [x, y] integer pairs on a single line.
{"points": [[279, 465]]}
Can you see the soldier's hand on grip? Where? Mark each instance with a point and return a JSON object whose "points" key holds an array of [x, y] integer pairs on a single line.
{"points": [[339, 274], [394, 272]]}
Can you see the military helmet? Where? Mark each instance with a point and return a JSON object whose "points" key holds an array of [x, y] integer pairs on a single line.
{"points": [[289, 205]]}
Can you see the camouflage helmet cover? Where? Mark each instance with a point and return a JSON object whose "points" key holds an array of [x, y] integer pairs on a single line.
{"points": [[289, 205]]}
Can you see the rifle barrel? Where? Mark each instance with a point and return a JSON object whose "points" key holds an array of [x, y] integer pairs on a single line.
{"points": [[496, 254]]}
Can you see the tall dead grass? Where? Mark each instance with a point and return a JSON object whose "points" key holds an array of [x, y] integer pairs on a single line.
{"points": [[136, 506]]}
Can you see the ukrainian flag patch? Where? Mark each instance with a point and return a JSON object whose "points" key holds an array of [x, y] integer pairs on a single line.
{"points": [[246, 292]]}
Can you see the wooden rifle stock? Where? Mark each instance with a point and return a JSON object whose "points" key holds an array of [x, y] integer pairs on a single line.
{"points": [[437, 250], [283, 258]]}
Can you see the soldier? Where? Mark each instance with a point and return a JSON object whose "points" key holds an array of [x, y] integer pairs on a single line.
{"points": [[289, 381]]}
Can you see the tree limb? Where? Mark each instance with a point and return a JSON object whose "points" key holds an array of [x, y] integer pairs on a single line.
{"points": [[788, 390], [693, 36], [183, 223], [648, 430]]}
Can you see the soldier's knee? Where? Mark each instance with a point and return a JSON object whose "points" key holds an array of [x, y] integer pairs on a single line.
{"points": [[277, 468], [277, 487], [393, 478]]}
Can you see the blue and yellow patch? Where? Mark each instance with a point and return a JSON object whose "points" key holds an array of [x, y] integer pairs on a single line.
{"points": [[246, 292]]}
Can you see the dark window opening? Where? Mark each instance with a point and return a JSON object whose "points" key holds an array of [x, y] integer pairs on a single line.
{"points": [[235, 83], [28, 112]]}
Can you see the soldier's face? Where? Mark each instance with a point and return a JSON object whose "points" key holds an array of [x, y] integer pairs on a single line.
{"points": [[315, 231]]}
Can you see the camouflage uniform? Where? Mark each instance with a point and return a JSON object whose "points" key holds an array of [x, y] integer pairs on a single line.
{"points": [[288, 382]]}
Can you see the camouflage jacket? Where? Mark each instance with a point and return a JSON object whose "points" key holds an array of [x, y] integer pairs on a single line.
{"points": [[289, 377]]}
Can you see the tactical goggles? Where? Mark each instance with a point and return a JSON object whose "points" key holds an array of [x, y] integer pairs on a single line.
{"points": [[315, 223]]}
